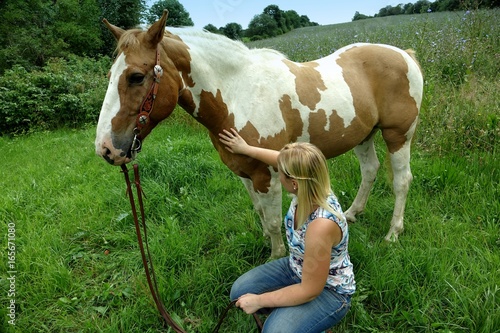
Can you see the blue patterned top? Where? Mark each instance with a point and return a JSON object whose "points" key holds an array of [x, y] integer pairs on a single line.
{"points": [[341, 275]]}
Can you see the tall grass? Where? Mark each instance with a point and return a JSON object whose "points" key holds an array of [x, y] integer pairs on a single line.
{"points": [[78, 268]]}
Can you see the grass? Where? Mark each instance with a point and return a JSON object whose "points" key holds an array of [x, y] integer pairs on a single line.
{"points": [[77, 263]]}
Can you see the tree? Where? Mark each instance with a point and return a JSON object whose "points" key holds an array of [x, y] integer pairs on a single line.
{"points": [[409, 8], [305, 22], [125, 14], [446, 5], [277, 14], [358, 16], [421, 6], [78, 25], [263, 26], [32, 31], [232, 30], [177, 14], [292, 19], [212, 28], [388, 11]]}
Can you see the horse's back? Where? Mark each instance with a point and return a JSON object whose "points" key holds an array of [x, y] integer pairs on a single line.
{"points": [[358, 88]]}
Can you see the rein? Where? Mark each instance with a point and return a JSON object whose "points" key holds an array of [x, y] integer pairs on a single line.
{"points": [[146, 254]]}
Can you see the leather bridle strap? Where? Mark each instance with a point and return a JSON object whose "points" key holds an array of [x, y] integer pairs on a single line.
{"points": [[146, 257], [258, 322], [144, 116]]}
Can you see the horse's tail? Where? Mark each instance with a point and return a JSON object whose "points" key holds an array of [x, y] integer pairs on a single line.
{"points": [[412, 54]]}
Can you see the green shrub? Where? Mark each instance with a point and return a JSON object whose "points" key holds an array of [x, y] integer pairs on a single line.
{"points": [[65, 93]]}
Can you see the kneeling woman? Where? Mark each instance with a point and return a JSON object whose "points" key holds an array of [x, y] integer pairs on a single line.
{"points": [[309, 291]]}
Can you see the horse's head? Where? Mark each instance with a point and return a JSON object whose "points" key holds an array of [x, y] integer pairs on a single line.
{"points": [[140, 71]]}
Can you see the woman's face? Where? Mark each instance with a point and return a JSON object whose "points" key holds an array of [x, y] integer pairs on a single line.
{"points": [[289, 184]]}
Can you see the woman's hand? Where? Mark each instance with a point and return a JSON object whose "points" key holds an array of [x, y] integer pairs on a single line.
{"points": [[236, 144], [233, 142], [248, 303]]}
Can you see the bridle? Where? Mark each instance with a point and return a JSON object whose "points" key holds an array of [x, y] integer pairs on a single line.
{"points": [[144, 116]]}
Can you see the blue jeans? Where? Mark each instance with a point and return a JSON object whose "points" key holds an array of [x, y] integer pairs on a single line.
{"points": [[318, 315]]}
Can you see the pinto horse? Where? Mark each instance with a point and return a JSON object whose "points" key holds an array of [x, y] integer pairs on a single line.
{"points": [[337, 102]]}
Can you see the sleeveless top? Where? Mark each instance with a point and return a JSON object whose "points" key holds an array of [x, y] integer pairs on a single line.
{"points": [[341, 275]]}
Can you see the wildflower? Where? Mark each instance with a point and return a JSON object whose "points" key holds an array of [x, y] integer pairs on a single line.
{"points": [[429, 10]]}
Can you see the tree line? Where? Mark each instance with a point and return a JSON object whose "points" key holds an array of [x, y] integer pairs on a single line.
{"points": [[270, 23], [425, 6], [33, 31]]}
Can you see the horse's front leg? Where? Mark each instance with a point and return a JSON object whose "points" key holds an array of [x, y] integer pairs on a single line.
{"points": [[369, 165], [268, 207]]}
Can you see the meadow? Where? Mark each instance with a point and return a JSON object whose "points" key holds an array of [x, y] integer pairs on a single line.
{"points": [[69, 256]]}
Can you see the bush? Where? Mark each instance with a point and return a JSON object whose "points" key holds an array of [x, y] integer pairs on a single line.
{"points": [[65, 93]]}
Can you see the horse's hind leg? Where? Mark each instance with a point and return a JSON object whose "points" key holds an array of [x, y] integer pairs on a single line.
{"points": [[369, 165], [268, 207], [402, 177]]}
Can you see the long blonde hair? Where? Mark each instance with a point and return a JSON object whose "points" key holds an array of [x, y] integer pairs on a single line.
{"points": [[305, 163]]}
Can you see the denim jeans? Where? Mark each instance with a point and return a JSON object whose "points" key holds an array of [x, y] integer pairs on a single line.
{"points": [[318, 315]]}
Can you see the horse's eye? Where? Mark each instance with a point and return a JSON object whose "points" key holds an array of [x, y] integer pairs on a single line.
{"points": [[136, 79]]}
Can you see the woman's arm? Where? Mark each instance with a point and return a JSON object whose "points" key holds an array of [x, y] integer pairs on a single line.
{"points": [[322, 234], [237, 145]]}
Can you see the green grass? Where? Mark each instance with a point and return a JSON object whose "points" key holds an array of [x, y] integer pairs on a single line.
{"points": [[78, 266]]}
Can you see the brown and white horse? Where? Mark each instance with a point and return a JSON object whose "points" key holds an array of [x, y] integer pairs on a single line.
{"points": [[338, 103]]}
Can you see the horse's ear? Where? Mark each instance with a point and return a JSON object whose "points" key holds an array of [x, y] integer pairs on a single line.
{"points": [[157, 30], [117, 32]]}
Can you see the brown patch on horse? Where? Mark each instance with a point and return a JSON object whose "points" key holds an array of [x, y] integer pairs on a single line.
{"points": [[291, 132], [178, 53], [215, 122], [308, 82], [293, 121], [380, 83], [256, 170], [335, 142]]}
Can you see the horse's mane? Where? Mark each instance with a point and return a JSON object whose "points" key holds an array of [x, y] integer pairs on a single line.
{"points": [[221, 42], [128, 40], [211, 43]]}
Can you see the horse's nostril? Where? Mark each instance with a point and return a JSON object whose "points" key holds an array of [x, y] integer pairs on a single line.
{"points": [[107, 151]]}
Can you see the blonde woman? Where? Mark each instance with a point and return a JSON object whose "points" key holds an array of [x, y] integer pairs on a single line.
{"points": [[309, 291]]}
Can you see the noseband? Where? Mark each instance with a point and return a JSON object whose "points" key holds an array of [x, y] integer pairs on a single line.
{"points": [[144, 116]]}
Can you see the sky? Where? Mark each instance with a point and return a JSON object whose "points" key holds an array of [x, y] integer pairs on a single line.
{"points": [[221, 12]]}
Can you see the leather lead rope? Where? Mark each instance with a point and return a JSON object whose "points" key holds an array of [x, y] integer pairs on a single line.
{"points": [[153, 287], [148, 268]]}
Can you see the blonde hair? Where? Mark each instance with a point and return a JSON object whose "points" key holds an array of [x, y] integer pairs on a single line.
{"points": [[305, 163]]}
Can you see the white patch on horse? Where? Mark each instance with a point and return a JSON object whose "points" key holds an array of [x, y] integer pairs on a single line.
{"points": [[213, 70], [414, 76], [337, 97], [268, 207], [111, 104]]}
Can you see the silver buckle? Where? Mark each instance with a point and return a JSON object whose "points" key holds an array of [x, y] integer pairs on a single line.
{"points": [[158, 70]]}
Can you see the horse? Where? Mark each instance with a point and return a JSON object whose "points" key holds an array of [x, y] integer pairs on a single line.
{"points": [[338, 103]]}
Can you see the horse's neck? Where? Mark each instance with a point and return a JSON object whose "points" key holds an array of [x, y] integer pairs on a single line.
{"points": [[216, 60], [220, 75]]}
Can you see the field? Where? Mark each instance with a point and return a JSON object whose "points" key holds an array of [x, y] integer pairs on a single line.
{"points": [[70, 262]]}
